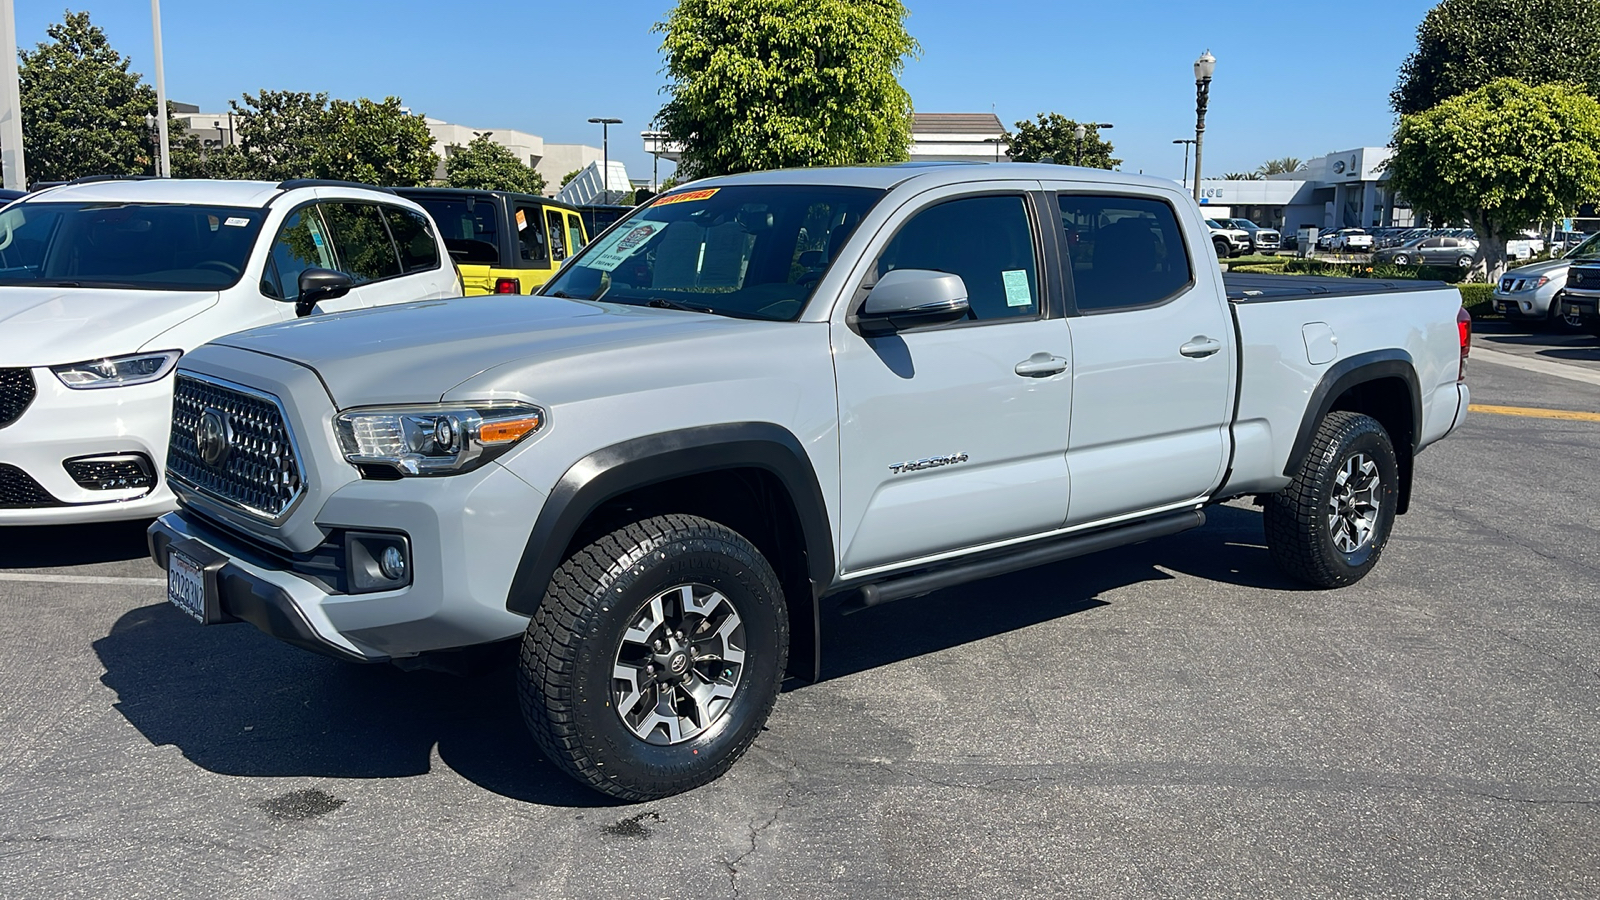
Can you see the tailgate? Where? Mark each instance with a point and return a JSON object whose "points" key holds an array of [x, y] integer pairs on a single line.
{"points": [[476, 280]]}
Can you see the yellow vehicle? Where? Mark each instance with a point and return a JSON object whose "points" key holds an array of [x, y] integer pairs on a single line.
{"points": [[503, 243]]}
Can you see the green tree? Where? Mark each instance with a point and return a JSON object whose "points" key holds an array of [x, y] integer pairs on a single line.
{"points": [[1055, 136], [375, 143], [1465, 44], [1500, 158], [567, 178], [766, 84], [275, 136], [1282, 166], [485, 165], [83, 112]]}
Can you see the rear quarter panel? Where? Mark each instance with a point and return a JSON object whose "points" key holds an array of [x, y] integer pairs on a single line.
{"points": [[1278, 377]]}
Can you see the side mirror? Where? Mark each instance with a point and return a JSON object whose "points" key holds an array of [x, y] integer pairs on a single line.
{"points": [[912, 298], [317, 285]]}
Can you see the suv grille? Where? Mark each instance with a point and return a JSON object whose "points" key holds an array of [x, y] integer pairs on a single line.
{"points": [[16, 392], [19, 491], [258, 470]]}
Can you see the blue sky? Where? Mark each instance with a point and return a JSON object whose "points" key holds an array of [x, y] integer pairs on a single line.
{"points": [[1292, 79]]}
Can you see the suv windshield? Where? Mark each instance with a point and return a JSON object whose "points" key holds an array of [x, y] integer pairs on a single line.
{"points": [[145, 246], [750, 251]]}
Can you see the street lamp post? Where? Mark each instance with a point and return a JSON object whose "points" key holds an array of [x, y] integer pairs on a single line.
{"points": [[997, 142], [164, 164], [1187, 143], [656, 139], [1081, 132], [1204, 67], [605, 124]]}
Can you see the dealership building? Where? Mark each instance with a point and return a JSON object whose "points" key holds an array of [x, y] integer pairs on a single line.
{"points": [[1347, 189]]}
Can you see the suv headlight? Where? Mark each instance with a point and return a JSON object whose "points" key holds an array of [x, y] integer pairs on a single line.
{"points": [[119, 371], [441, 439]]}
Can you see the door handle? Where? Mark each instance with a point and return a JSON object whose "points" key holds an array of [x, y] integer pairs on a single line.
{"points": [[1200, 347], [1041, 365]]}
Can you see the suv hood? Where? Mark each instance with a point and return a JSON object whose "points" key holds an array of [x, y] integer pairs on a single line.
{"points": [[45, 326], [417, 352]]}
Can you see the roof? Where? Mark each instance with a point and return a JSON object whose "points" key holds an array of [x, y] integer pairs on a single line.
{"points": [[956, 123], [931, 174], [208, 191], [416, 193]]}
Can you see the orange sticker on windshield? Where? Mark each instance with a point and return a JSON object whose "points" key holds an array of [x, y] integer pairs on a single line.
{"points": [[686, 196]]}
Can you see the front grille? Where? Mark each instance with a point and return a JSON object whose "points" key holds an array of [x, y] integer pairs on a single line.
{"points": [[19, 491], [260, 472], [16, 392]]}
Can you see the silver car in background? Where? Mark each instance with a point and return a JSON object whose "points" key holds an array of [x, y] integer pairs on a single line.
{"points": [[1434, 250], [1536, 292]]}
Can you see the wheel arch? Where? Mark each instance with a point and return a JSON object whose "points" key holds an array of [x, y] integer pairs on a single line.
{"points": [[1382, 384], [755, 473]]}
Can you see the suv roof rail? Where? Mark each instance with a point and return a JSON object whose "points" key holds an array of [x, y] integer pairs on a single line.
{"points": [[91, 179], [293, 183]]}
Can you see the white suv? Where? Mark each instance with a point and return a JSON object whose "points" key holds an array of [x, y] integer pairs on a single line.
{"points": [[105, 283]]}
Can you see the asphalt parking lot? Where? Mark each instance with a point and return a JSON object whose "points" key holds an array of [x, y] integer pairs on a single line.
{"points": [[1168, 720]]}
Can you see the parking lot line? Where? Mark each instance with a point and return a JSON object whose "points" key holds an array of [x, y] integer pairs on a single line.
{"points": [[53, 578], [1543, 367], [1535, 413]]}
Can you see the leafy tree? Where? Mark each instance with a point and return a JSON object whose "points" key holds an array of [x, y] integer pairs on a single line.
{"points": [[765, 84], [1280, 166], [83, 112], [486, 165], [1500, 158], [1465, 44], [567, 178], [375, 143], [1055, 136], [276, 136]]}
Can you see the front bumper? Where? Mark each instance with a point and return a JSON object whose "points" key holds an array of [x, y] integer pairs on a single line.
{"points": [[63, 424], [467, 534], [1534, 304]]}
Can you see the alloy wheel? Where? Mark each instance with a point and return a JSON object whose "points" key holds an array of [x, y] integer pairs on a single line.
{"points": [[1353, 503], [679, 664]]}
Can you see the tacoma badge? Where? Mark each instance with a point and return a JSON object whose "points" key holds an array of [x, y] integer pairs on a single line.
{"points": [[932, 462]]}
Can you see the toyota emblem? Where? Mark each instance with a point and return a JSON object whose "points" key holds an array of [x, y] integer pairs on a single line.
{"points": [[213, 437]]}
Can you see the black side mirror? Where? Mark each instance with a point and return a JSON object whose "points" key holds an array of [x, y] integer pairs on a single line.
{"points": [[317, 285], [911, 298]]}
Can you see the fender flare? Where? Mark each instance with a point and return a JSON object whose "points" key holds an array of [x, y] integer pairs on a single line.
{"points": [[1346, 374], [615, 470]]}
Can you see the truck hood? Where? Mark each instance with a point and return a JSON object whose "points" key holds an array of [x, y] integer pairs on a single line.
{"points": [[417, 352], [1551, 267], [44, 326]]}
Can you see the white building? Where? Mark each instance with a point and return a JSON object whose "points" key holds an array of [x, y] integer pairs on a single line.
{"points": [[935, 137], [1341, 190]]}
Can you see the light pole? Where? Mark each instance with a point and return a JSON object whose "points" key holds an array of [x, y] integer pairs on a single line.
{"points": [[1081, 132], [996, 141], [164, 164], [11, 160], [605, 123], [1187, 143], [1204, 67], [656, 139]]}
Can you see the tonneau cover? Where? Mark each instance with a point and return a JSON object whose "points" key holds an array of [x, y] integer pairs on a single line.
{"points": [[1253, 288]]}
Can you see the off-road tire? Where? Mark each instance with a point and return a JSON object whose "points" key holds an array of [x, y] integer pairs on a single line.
{"points": [[569, 650], [1296, 521]]}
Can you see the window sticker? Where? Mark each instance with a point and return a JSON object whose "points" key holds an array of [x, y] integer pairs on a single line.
{"points": [[522, 220], [621, 245], [686, 196], [236, 222], [316, 238], [1017, 292]]}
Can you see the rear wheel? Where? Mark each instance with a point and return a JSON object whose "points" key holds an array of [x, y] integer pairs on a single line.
{"points": [[1329, 526], [1464, 262], [655, 658], [1400, 259]]}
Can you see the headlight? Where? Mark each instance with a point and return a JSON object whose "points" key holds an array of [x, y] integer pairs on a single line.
{"points": [[120, 371], [440, 439]]}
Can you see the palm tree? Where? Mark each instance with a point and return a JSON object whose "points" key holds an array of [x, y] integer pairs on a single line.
{"points": [[1242, 176], [1280, 166]]}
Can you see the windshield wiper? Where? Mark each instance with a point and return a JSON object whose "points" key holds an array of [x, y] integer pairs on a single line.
{"points": [[55, 283], [664, 303]]}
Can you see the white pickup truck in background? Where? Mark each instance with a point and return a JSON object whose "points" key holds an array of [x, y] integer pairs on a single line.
{"points": [[760, 391]]}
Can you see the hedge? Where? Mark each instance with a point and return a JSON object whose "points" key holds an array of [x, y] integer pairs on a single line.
{"points": [[1475, 297]]}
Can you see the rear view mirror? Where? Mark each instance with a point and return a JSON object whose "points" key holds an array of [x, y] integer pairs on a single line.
{"points": [[912, 298], [317, 285]]}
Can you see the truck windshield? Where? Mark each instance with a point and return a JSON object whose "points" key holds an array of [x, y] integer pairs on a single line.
{"points": [[749, 251], [1589, 249], [143, 246]]}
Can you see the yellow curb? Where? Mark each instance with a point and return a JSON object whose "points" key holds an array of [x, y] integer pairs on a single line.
{"points": [[1534, 413]]}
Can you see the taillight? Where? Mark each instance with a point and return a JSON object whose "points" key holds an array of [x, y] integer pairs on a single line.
{"points": [[508, 286], [1464, 326]]}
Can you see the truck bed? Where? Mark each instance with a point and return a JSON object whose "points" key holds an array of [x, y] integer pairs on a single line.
{"points": [[1254, 288]]}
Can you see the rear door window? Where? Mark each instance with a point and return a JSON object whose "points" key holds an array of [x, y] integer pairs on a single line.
{"points": [[558, 246], [575, 232], [361, 240], [1125, 252], [531, 242]]}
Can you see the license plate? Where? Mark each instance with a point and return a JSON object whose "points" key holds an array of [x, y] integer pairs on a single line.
{"points": [[186, 585], [1574, 311]]}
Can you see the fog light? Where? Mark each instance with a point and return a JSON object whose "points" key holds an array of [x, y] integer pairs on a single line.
{"points": [[114, 472], [392, 563]]}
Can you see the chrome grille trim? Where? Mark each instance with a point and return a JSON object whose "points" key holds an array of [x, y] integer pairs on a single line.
{"points": [[262, 475]]}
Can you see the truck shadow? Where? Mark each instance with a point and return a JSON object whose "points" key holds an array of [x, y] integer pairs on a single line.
{"points": [[236, 702], [48, 546]]}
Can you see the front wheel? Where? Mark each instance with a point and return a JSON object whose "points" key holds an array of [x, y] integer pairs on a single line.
{"points": [[1224, 250], [1464, 262], [1329, 526], [1561, 319], [655, 658], [1400, 259]]}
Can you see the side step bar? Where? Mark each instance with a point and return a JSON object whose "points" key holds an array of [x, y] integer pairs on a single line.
{"points": [[879, 593]]}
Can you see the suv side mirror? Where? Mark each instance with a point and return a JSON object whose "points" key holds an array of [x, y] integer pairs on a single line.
{"points": [[912, 298], [317, 285]]}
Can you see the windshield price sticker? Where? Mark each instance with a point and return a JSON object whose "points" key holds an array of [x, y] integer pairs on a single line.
{"points": [[686, 196], [236, 222], [623, 245]]}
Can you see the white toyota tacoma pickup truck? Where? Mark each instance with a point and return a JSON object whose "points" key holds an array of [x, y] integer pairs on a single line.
{"points": [[763, 390]]}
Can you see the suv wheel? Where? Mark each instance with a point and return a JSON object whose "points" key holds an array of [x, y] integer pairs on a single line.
{"points": [[1561, 320], [1328, 527], [655, 658]]}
